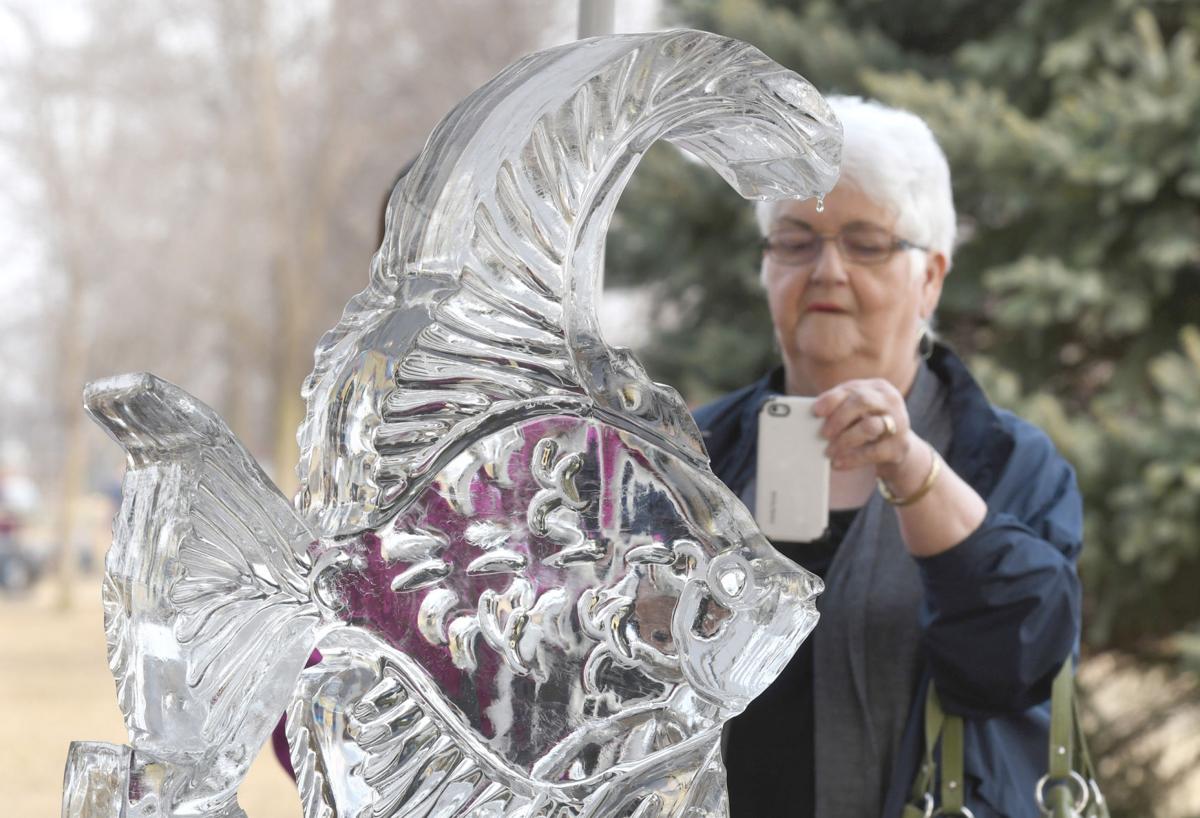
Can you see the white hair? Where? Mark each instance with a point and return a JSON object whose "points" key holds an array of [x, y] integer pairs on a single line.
{"points": [[892, 157]]}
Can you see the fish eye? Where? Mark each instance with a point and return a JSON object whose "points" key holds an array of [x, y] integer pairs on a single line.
{"points": [[729, 577], [732, 581]]}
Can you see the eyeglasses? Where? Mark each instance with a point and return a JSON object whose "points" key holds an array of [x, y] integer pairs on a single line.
{"points": [[859, 244]]}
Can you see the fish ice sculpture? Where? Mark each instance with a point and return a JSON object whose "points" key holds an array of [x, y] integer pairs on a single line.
{"points": [[530, 594]]}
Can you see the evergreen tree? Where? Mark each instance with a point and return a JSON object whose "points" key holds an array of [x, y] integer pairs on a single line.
{"points": [[1073, 132]]}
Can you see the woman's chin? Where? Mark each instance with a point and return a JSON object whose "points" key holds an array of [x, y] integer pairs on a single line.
{"points": [[825, 345]]}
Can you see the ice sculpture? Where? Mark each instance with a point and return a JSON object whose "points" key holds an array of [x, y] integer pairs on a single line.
{"points": [[530, 594]]}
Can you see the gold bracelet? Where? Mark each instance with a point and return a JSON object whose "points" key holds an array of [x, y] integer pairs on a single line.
{"points": [[930, 479]]}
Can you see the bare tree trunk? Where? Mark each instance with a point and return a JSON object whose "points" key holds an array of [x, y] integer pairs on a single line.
{"points": [[71, 368], [74, 472]]}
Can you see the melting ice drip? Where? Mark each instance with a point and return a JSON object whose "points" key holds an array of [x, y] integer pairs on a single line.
{"points": [[530, 594]]}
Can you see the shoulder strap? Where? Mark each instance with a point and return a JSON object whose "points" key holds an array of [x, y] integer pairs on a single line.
{"points": [[1064, 792], [920, 799], [1069, 788], [949, 730]]}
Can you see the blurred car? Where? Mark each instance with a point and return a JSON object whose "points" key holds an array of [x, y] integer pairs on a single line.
{"points": [[19, 566]]}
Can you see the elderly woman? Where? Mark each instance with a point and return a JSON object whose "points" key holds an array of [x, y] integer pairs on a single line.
{"points": [[954, 525]]}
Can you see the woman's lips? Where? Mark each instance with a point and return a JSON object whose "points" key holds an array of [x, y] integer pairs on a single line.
{"points": [[820, 307]]}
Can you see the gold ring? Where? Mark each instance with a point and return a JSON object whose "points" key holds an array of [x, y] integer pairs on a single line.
{"points": [[889, 426]]}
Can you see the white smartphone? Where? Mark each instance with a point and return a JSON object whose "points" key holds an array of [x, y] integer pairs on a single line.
{"points": [[792, 485]]}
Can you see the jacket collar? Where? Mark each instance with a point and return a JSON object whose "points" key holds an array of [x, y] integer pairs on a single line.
{"points": [[982, 442]]}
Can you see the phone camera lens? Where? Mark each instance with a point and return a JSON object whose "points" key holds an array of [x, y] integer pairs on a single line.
{"points": [[779, 410]]}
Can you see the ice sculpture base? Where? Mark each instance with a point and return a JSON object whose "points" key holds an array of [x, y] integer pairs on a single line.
{"points": [[104, 780]]}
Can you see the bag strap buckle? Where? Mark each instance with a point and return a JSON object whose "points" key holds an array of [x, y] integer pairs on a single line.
{"points": [[923, 810], [1074, 781]]}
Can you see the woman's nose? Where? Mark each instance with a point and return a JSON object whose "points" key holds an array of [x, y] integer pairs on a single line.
{"points": [[829, 267]]}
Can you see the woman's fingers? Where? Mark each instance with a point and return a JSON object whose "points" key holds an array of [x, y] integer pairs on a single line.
{"points": [[857, 415], [888, 450], [853, 406], [867, 430], [846, 404]]}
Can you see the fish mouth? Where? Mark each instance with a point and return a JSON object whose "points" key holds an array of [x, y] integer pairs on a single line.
{"points": [[732, 663]]}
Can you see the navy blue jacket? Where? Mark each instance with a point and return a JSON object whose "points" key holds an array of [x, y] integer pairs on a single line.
{"points": [[1001, 610]]}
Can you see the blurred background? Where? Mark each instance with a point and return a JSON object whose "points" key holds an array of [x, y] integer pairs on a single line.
{"points": [[193, 188]]}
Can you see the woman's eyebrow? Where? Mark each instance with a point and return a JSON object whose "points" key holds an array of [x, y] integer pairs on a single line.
{"points": [[794, 222], [864, 223]]}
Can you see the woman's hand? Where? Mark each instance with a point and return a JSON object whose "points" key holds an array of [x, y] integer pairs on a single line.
{"points": [[859, 435], [867, 423]]}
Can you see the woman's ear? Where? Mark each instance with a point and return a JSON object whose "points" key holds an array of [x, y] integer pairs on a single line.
{"points": [[934, 275]]}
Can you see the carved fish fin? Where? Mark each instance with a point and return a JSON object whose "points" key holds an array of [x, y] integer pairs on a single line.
{"points": [[207, 606]]}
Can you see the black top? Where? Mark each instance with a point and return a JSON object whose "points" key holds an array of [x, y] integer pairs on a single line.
{"points": [[772, 740]]}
